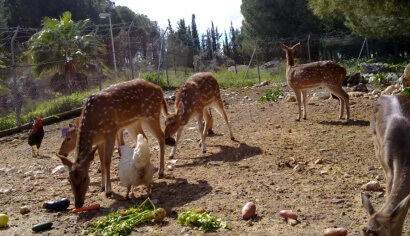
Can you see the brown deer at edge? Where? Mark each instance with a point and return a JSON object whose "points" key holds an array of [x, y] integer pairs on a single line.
{"points": [[193, 99], [390, 126], [106, 113], [311, 75]]}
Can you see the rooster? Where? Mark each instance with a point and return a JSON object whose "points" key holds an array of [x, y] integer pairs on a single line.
{"points": [[36, 135]]}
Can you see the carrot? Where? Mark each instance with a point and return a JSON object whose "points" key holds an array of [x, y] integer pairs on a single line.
{"points": [[87, 208]]}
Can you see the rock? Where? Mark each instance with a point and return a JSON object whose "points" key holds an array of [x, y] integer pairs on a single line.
{"points": [[293, 222], [170, 167], [389, 90], [321, 96], [264, 83], [24, 210], [337, 201], [5, 190], [379, 177], [360, 88], [318, 161], [392, 77], [375, 68], [373, 185], [270, 64], [58, 169], [238, 68], [278, 126], [290, 98], [352, 79], [355, 94], [297, 168], [405, 78], [376, 92]]}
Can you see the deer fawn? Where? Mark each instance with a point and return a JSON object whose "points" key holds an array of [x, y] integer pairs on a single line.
{"points": [[307, 76], [390, 125], [193, 99], [120, 106], [70, 140]]}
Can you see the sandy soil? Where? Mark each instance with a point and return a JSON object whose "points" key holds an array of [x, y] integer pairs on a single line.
{"points": [[334, 158]]}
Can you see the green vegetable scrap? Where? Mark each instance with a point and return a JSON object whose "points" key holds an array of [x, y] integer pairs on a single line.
{"points": [[406, 91], [271, 95], [202, 220], [123, 221]]}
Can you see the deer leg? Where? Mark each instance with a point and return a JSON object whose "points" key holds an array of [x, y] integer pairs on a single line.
{"points": [[148, 189], [109, 149], [201, 131], [127, 195], [33, 152], [220, 108], [304, 99], [208, 122], [174, 148], [342, 95], [298, 99], [101, 154], [154, 127]]}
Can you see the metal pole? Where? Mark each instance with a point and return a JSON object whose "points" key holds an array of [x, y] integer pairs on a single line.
{"points": [[364, 41], [367, 46], [113, 49], [310, 60], [257, 62], [166, 66], [247, 69], [160, 53], [129, 52], [97, 63], [15, 90]]}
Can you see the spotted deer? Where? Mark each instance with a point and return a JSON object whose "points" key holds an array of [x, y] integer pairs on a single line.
{"points": [[119, 106], [390, 126], [199, 92], [303, 77], [70, 139]]}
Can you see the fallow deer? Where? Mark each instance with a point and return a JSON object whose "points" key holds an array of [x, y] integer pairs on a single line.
{"points": [[311, 75], [119, 106], [199, 92], [390, 126], [70, 139]]}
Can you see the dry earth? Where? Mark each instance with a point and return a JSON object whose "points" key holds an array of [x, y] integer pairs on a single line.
{"points": [[258, 167]]}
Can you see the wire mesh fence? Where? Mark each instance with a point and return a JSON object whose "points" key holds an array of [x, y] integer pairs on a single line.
{"points": [[140, 51]]}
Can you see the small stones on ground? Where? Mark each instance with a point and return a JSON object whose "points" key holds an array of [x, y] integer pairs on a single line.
{"points": [[278, 126], [323, 172], [373, 185], [337, 201], [58, 169], [379, 177], [297, 168], [170, 167], [24, 210], [293, 222]]}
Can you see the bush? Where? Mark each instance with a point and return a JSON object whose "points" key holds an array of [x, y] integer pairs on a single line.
{"points": [[154, 78]]}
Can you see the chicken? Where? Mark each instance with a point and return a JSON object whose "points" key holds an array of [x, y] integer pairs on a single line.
{"points": [[136, 168], [36, 135]]}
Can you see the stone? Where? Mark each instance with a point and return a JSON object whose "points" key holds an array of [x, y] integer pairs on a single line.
{"points": [[24, 210], [405, 78], [360, 88], [373, 185], [290, 98]]}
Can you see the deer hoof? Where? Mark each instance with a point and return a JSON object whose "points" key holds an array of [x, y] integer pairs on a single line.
{"points": [[102, 189], [203, 151], [171, 157], [211, 132], [304, 118], [170, 141], [297, 119], [233, 138], [160, 176]]}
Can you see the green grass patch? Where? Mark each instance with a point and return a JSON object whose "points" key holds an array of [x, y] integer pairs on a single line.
{"points": [[271, 95]]}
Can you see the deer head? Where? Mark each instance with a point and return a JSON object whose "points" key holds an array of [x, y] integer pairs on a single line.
{"points": [[174, 122], [291, 52], [78, 176], [70, 140]]}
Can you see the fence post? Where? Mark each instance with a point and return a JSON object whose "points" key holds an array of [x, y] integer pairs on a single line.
{"points": [[308, 44], [166, 66], [160, 53], [97, 63], [247, 69], [129, 52], [257, 62], [364, 41], [15, 87]]}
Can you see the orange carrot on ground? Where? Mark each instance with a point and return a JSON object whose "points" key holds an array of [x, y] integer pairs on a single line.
{"points": [[87, 208]]}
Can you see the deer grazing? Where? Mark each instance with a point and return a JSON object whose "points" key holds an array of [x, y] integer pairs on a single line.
{"points": [[120, 106], [307, 76], [70, 139], [390, 126], [199, 92]]}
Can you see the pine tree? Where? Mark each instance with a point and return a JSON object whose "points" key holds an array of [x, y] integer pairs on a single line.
{"points": [[195, 34]]}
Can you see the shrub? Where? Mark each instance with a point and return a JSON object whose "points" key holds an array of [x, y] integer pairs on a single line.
{"points": [[271, 95]]}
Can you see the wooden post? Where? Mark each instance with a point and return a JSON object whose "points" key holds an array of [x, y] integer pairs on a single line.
{"points": [[310, 60], [129, 52], [247, 69], [15, 87], [97, 63]]}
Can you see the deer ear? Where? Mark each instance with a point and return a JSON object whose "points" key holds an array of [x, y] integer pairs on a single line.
{"points": [[400, 209], [283, 46], [296, 46], [181, 108], [77, 121], [66, 162], [367, 204]]}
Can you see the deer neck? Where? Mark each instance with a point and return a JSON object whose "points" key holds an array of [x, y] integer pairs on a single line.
{"points": [[85, 133]]}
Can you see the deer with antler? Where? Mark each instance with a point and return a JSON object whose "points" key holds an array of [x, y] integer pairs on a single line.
{"points": [[390, 126], [104, 114], [199, 92], [311, 75]]}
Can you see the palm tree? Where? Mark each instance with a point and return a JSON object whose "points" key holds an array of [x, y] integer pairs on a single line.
{"points": [[62, 47]]}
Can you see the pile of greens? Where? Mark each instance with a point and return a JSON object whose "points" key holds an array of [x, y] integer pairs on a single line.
{"points": [[406, 91], [202, 220], [123, 221], [271, 95]]}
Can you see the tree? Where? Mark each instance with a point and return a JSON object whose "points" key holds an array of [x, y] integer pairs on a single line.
{"points": [[372, 19], [195, 35], [268, 20], [61, 47]]}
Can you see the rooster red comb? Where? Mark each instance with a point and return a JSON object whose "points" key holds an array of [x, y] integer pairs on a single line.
{"points": [[39, 121]]}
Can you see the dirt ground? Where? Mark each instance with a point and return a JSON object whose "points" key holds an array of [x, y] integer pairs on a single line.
{"points": [[314, 167]]}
